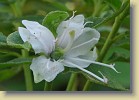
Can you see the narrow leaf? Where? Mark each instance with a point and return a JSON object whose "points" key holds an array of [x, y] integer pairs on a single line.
{"points": [[16, 61]]}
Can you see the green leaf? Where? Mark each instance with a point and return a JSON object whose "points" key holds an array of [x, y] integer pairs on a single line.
{"points": [[118, 81], [53, 19], [115, 4], [95, 20], [117, 54], [15, 40], [8, 73], [10, 49], [4, 57], [16, 61], [2, 38]]}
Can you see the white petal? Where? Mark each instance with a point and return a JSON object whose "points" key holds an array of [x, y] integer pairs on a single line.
{"points": [[84, 43], [27, 36], [66, 38], [79, 63], [75, 22], [43, 34], [78, 19], [104, 79], [44, 69], [62, 27], [91, 55]]}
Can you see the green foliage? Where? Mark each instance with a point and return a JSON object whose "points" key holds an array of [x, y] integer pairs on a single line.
{"points": [[8, 73], [53, 19], [15, 40], [2, 38], [117, 54], [16, 61], [115, 4], [101, 12], [119, 81]]}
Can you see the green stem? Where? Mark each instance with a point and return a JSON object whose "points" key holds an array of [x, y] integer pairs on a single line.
{"points": [[108, 42], [27, 73], [75, 85], [48, 86], [71, 81], [113, 15], [86, 86]]}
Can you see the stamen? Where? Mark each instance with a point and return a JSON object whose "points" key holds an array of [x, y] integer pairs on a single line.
{"points": [[87, 23], [105, 79], [88, 72], [55, 40], [98, 63], [73, 14]]}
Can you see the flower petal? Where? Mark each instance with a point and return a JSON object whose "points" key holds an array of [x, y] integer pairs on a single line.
{"points": [[43, 34], [66, 38], [75, 22], [83, 43], [27, 36], [82, 64], [91, 56], [44, 69], [78, 19]]}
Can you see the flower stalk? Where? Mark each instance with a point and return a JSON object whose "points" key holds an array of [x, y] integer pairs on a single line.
{"points": [[48, 86], [27, 73], [86, 86], [71, 81]]}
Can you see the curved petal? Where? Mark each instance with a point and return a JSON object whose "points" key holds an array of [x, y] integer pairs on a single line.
{"points": [[44, 69], [27, 36], [83, 43], [75, 22], [62, 27], [67, 37], [82, 64], [91, 56], [43, 34], [79, 19]]}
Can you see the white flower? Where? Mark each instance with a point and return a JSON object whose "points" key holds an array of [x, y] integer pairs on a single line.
{"points": [[71, 48]]}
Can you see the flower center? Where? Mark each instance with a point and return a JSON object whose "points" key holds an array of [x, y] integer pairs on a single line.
{"points": [[57, 54]]}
